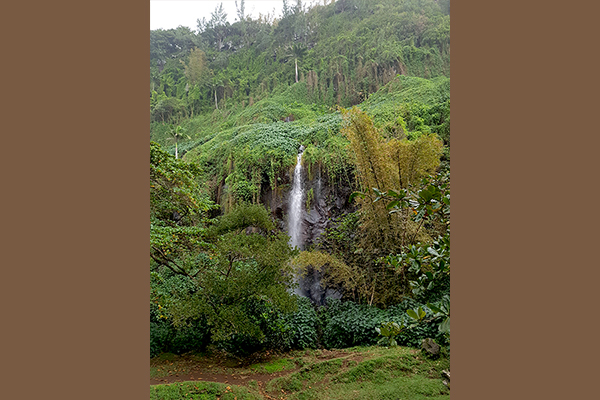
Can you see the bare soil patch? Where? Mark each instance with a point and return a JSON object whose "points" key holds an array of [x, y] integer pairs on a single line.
{"points": [[218, 367]]}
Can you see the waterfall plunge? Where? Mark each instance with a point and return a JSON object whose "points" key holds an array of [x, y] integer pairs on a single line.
{"points": [[295, 212], [308, 286]]}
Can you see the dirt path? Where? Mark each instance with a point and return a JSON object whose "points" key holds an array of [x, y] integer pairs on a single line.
{"points": [[234, 379], [223, 370]]}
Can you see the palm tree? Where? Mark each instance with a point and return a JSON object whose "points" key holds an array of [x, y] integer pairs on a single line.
{"points": [[297, 51], [177, 133], [215, 83]]}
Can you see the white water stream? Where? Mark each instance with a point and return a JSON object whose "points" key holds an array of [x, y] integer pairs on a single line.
{"points": [[296, 200], [309, 286], [295, 213]]}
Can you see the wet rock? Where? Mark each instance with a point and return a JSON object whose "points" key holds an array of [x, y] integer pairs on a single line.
{"points": [[322, 201]]}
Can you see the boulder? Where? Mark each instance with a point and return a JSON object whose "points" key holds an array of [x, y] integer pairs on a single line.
{"points": [[431, 348]]}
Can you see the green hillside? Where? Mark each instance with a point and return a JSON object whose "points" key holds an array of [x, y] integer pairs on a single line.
{"points": [[369, 109], [343, 51]]}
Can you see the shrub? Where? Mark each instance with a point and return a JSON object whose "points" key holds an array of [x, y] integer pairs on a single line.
{"points": [[304, 324], [351, 324], [275, 332], [347, 324], [165, 338]]}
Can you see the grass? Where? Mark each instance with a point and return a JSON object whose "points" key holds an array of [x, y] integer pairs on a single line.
{"points": [[201, 391], [412, 388], [367, 373], [356, 373], [273, 366]]}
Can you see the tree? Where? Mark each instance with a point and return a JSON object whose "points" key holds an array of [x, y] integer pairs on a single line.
{"points": [[215, 83], [216, 28], [225, 264], [178, 212], [167, 108], [287, 10], [196, 69], [246, 262], [240, 10], [298, 51], [197, 75], [170, 44], [177, 133]]}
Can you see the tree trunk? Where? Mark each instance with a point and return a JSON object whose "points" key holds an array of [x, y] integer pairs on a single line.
{"points": [[216, 105], [296, 70]]}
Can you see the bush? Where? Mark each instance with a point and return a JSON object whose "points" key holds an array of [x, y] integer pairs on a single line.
{"points": [[165, 338], [336, 325], [275, 332], [351, 324], [413, 334], [304, 324], [348, 324]]}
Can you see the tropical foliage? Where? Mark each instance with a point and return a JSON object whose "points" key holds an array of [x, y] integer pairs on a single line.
{"points": [[364, 87]]}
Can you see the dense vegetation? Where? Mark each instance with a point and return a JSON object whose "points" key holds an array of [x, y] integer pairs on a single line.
{"points": [[370, 102], [343, 51]]}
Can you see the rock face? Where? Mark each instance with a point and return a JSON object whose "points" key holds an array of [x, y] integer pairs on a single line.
{"points": [[322, 201]]}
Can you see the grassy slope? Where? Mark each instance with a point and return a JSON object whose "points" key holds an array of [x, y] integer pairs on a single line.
{"points": [[253, 140], [220, 124], [357, 373]]}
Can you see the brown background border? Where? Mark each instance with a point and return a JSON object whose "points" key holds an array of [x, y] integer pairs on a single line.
{"points": [[75, 199]]}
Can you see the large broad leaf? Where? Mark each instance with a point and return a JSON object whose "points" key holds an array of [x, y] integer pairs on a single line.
{"points": [[434, 308], [412, 313], [385, 331], [445, 326]]}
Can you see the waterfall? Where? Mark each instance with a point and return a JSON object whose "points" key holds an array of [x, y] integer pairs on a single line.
{"points": [[310, 285], [295, 212]]}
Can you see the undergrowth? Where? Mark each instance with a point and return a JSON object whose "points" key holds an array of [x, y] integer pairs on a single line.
{"points": [[201, 391]]}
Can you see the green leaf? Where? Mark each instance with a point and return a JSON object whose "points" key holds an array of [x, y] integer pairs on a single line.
{"points": [[379, 192], [392, 204], [355, 194], [445, 326], [434, 308], [432, 251], [411, 313]]}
